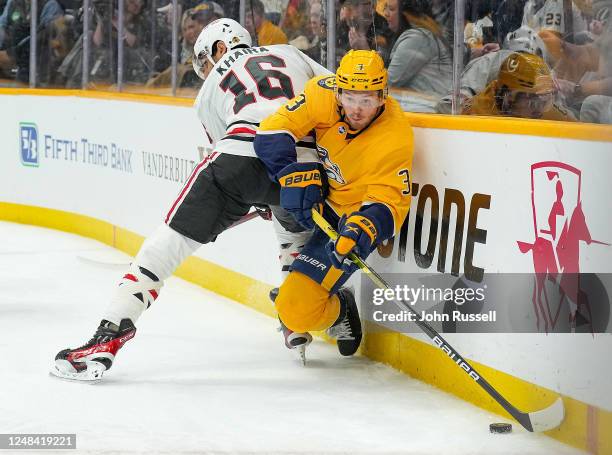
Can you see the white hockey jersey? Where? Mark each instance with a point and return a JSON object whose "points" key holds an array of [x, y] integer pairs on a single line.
{"points": [[549, 15], [246, 86]]}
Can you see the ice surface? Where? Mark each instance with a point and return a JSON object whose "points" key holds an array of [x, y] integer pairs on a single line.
{"points": [[204, 374]]}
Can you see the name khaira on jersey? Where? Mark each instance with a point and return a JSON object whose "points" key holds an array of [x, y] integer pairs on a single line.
{"points": [[331, 169], [229, 60]]}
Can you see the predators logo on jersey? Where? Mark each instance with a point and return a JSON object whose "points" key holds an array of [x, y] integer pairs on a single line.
{"points": [[328, 82], [331, 169]]}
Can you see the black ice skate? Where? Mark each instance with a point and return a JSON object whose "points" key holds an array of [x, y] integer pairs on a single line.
{"points": [[347, 328], [293, 340], [90, 361]]}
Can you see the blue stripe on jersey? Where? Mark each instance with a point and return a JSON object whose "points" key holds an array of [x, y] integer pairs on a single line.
{"points": [[382, 218], [276, 151]]}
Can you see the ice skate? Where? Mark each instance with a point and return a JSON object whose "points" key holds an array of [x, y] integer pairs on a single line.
{"points": [[347, 329], [293, 340], [296, 340], [89, 362]]}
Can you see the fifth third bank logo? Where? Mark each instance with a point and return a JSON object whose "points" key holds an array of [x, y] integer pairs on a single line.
{"points": [[28, 144]]}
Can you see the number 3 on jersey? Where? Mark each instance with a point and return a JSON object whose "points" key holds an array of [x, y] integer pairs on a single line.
{"points": [[262, 78]]}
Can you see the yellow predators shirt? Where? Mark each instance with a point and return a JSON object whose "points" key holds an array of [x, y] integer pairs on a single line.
{"points": [[269, 34], [363, 167]]}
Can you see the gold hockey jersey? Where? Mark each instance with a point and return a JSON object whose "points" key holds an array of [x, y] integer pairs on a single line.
{"points": [[370, 166]]}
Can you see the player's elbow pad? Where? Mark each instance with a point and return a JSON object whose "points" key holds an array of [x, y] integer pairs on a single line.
{"points": [[382, 218], [276, 151]]}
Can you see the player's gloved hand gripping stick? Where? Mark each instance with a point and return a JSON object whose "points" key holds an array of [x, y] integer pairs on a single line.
{"points": [[301, 190], [357, 234], [542, 420]]}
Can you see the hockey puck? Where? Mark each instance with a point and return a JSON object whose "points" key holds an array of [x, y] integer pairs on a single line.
{"points": [[500, 428]]}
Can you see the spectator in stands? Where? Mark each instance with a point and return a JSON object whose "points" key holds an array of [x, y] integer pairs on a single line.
{"points": [[561, 35], [6, 63], [481, 71], [361, 27], [192, 23], [162, 46], [585, 70], [15, 50], [595, 88], [550, 15], [217, 10], [229, 8], [4, 8], [600, 21], [313, 42], [481, 31], [507, 17], [274, 9], [597, 109], [294, 21], [257, 25], [136, 36], [524, 88], [444, 14], [55, 42], [421, 58], [135, 25]]}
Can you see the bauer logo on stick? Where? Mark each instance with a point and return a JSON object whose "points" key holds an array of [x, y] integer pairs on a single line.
{"points": [[500, 428]]}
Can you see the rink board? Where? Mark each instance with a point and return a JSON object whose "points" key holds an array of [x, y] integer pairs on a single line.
{"points": [[109, 168]]}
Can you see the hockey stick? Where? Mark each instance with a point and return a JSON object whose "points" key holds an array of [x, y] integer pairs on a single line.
{"points": [[258, 212], [542, 420]]}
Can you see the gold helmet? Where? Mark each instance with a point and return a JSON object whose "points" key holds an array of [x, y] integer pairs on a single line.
{"points": [[526, 73], [362, 70]]}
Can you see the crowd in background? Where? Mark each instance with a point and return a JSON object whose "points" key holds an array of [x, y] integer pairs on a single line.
{"points": [[549, 59]]}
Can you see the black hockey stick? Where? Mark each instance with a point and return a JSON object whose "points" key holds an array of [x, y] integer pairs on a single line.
{"points": [[542, 420]]}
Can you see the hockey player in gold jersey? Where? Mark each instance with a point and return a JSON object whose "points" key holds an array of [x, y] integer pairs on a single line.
{"points": [[361, 185], [524, 88]]}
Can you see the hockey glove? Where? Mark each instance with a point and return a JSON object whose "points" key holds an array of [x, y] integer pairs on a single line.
{"points": [[356, 234], [301, 190]]}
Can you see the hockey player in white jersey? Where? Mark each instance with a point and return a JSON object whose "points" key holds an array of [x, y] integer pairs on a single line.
{"points": [[242, 85]]}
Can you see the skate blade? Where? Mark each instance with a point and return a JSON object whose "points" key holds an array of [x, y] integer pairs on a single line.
{"points": [[302, 352], [92, 375]]}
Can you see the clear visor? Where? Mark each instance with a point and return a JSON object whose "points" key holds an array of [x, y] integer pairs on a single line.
{"points": [[200, 59], [362, 99], [541, 102], [199, 63]]}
